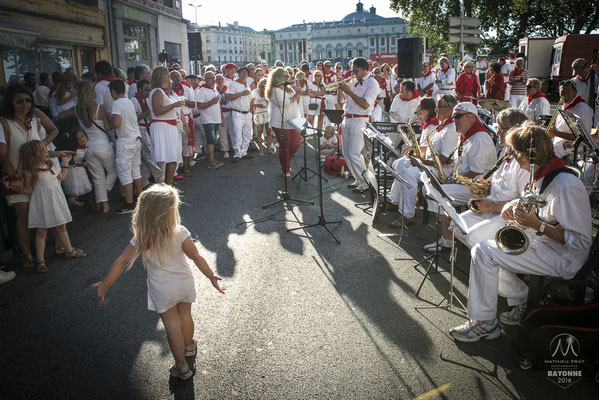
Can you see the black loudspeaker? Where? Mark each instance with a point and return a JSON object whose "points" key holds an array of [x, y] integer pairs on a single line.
{"points": [[409, 57]]}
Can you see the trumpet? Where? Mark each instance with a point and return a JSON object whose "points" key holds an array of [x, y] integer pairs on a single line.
{"points": [[336, 83]]}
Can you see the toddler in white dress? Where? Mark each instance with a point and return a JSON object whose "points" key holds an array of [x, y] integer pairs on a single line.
{"points": [[165, 247], [77, 182]]}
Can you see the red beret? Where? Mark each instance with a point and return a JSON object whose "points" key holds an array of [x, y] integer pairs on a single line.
{"points": [[230, 65]]}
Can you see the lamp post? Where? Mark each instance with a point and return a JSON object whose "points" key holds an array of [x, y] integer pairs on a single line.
{"points": [[196, 11]]}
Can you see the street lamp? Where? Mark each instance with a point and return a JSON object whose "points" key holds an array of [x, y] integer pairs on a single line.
{"points": [[196, 10]]}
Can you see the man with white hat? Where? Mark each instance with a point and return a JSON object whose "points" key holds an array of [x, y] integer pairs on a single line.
{"points": [[477, 156], [239, 97]]}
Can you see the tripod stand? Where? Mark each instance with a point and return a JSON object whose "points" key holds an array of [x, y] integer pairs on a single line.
{"points": [[284, 195], [321, 219], [303, 172]]}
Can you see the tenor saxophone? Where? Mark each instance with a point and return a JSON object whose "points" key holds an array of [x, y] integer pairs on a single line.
{"points": [[415, 144], [555, 114], [479, 188], [436, 160]]}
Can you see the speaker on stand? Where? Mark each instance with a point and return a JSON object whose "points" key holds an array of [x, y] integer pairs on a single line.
{"points": [[409, 57]]}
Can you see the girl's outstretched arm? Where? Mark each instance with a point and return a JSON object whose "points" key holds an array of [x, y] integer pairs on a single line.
{"points": [[191, 251], [113, 274]]}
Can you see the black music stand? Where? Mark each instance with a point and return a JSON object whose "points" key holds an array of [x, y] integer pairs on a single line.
{"points": [[303, 172], [321, 219], [336, 118], [284, 195]]}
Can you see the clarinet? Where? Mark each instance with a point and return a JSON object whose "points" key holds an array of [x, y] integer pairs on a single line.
{"points": [[592, 94], [495, 167]]}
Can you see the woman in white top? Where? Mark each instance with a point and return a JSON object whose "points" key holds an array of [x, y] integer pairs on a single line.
{"points": [[283, 105], [316, 93], [166, 143], [259, 108], [94, 121], [62, 104], [481, 70]]}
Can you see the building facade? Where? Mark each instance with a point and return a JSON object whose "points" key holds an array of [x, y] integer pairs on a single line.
{"points": [[358, 34], [46, 36], [234, 43]]}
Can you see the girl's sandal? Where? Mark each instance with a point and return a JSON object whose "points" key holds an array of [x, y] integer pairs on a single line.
{"points": [[62, 251], [41, 267], [75, 253], [183, 372], [186, 170], [191, 349], [26, 261]]}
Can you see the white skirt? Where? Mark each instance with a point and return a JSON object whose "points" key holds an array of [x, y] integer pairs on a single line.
{"points": [[76, 182], [261, 118], [166, 143], [48, 207]]}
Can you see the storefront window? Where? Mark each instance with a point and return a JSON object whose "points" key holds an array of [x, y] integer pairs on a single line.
{"points": [[136, 31], [17, 62], [173, 49], [135, 50]]}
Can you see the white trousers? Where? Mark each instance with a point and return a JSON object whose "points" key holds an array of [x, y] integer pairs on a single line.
{"points": [[102, 167], [516, 99], [148, 167], [353, 146], [241, 134], [199, 136], [481, 227], [223, 131], [411, 175], [460, 194], [492, 273], [128, 160]]}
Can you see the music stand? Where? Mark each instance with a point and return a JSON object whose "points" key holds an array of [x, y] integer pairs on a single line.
{"points": [[299, 124], [335, 117], [404, 184], [459, 223], [321, 219]]}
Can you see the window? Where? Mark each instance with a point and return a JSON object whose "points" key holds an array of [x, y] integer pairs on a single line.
{"points": [[349, 53], [360, 53], [208, 50], [372, 41], [209, 58], [280, 46], [392, 40], [135, 42], [329, 53], [290, 46], [168, 3], [207, 39], [174, 49], [382, 40], [17, 62], [229, 39]]}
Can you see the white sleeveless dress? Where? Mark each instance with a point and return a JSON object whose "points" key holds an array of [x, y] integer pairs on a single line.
{"points": [[166, 140], [18, 137], [47, 206]]}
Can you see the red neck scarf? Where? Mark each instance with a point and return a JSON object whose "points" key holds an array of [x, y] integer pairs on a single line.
{"points": [[328, 77], [224, 89], [207, 86], [108, 78], [260, 93], [179, 90], [584, 79], [445, 70], [431, 121], [574, 102], [553, 164], [244, 83], [130, 81], [184, 82], [516, 72], [79, 147], [416, 95], [143, 103], [477, 127], [427, 74], [383, 83], [444, 124], [536, 96]]}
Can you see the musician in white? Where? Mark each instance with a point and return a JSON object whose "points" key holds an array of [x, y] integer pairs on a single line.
{"points": [[426, 83], [239, 98], [445, 78], [405, 103], [377, 112], [507, 182], [559, 247], [574, 103], [478, 156], [535, 104], [329, 77], [444, 139], [361, 95]]}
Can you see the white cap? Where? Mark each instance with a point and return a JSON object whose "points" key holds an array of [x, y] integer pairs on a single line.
{"points": [[466, 106]]}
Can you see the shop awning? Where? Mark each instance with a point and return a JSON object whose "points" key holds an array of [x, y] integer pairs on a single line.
{"points": [[18, 38]]}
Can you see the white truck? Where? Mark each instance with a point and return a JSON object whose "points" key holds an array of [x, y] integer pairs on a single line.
{"points": [[537, 55]]}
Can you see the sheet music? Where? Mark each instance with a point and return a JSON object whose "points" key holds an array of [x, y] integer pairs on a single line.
{"points": [[392, 172], [302, 125], [444, 203], [573, 122]]}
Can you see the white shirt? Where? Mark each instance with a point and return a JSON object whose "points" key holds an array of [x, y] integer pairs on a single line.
{"points": [[128, 130], [508, 181], [478, 154], [188, 95], [447, 79], [103, 96], [209, 115], [258, 99], [55, 109], [138, 110], [444, 142], [424, 82], [275, 108], [536, 108], [242, 103], [132, 90], [481, 67], [581, 110], [583, 87], [567, 204], [41, 96], [403, 108], [506, 68], [368, 90]]}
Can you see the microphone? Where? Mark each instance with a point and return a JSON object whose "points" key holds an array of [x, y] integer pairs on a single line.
{"points": [[286, 83]]}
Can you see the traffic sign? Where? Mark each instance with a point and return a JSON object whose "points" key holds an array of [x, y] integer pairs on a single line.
{"points": [[469, 22], [465, 39], [456, 31]]}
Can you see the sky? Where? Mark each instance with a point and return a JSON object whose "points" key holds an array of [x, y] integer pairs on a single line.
{"points": [[273, 15]]}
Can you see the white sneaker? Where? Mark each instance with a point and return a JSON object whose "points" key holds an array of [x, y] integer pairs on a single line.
{"points": [[441, 245], [473, 331], [225, 154], [513, 316], [6, 276]]}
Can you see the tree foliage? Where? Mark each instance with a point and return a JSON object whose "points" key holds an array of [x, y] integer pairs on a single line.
{"points": [[503, 21]]}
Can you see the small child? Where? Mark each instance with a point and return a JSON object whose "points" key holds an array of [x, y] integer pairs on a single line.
{"points": [[259, 107], [77, 183], [164, 245], [128, 143], [47, 206], [328, 142]]}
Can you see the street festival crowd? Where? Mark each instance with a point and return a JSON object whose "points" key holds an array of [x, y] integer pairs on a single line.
{"points": [[148, 127]]}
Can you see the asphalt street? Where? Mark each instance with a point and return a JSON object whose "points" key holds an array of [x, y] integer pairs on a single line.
{"points": [[303, 317]]}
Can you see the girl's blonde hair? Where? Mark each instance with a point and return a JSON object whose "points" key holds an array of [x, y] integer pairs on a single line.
{"points": [[32, 158], [518, 139], [154, 222], [157, 75], [262, 83], [275, 76], [85, 107]]}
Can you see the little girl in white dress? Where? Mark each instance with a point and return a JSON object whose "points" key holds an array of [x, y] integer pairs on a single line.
{"points": [[47, 206], [77, 182]]}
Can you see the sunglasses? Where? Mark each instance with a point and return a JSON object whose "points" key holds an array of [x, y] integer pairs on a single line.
{"points": [[327, 66], [530, 87], [458, 116], [21, 101]]}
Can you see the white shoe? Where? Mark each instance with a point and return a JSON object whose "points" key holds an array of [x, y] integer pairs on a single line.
{"points": [[473, 331], [6, 276], [225, 154], [441, 245], [513, 316]]}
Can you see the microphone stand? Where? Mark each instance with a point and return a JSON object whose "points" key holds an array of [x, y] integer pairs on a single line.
{"points": [[321, 219], [284, 195]]}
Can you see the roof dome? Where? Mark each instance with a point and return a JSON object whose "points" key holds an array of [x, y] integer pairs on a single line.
{"points": [[360, 14]]}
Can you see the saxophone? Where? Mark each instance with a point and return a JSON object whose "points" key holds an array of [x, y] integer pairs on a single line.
{"points": [[415, 145], [436, 160], [555, 114], [481, 189]]}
